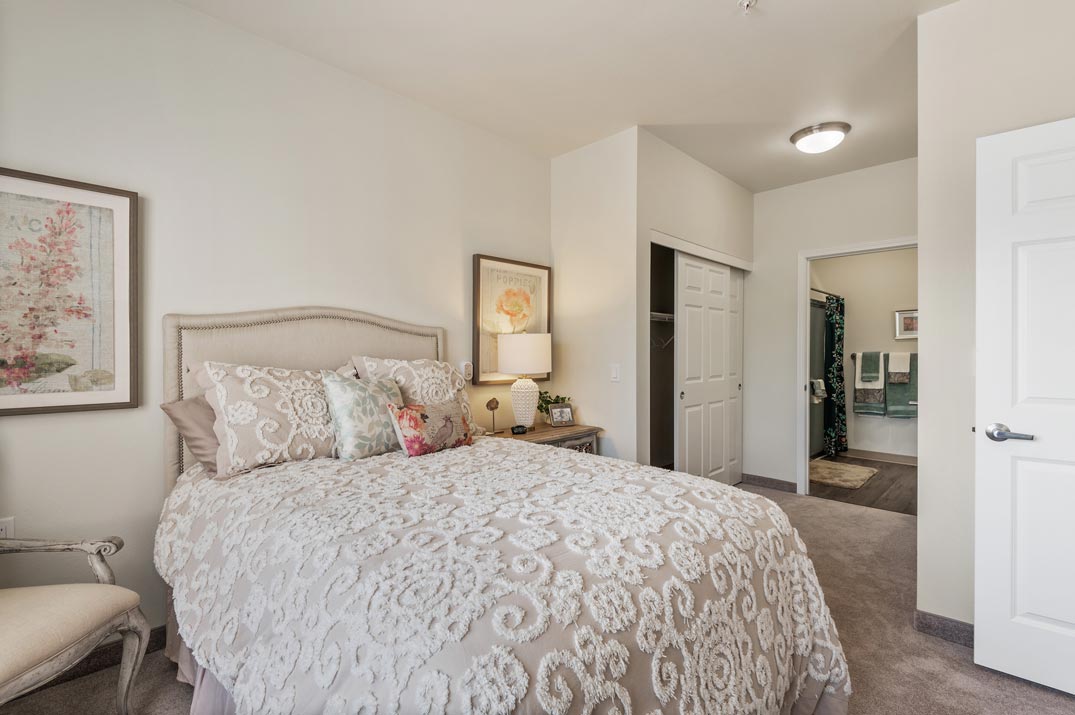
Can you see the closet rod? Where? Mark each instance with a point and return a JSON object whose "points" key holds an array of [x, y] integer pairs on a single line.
{"points": [[824, 292]]}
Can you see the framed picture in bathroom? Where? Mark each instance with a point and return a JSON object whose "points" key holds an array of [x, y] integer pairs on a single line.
{"points": [[907, 324]]}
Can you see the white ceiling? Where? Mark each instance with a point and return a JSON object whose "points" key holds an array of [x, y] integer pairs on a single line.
{"points": [[557, 74]]}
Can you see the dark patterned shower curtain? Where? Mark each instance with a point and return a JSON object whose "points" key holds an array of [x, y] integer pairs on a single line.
{"points": [[836, 405]]}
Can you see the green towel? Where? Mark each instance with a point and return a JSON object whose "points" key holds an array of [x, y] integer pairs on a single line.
{"points": [[871, 401], [899, 396], [871, 367]]}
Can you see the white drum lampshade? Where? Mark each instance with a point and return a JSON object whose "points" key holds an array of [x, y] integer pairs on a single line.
{"points": [[524, 354]]}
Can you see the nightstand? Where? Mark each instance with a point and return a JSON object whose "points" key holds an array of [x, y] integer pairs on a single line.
{"points": [[581, 438]]}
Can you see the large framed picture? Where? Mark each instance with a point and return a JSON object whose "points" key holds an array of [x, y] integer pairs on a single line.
{"points": [[68, 295], [907, 324], [509, 297]]}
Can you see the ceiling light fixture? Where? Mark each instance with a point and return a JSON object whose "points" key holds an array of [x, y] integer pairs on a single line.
{"points": [[820, 138], [747, 5]]}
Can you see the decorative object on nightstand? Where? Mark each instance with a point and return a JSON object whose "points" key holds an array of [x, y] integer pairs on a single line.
{"points": [[545, 400], [493, 405], [581, 438], [561, 414], [524, 354]]}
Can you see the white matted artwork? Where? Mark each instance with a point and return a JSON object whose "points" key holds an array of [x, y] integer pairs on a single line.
{"points": [[67, 295], [907, 324], [509, 297]]}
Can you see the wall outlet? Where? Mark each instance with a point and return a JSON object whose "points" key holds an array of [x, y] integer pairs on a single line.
{"points": [[7, 527]]}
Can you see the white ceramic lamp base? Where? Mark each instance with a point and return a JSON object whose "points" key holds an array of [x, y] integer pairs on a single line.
{"points": [[524, 401]]}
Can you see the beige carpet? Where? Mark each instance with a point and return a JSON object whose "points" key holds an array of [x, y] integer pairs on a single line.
{"points": [[840, 474], [865, 559]]}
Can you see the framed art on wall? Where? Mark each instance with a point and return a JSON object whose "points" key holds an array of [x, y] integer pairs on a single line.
{"points": [[907, 324], [509, 297], [68, 295]]}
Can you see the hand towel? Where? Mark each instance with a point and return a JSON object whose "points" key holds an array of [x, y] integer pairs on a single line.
{"points": [[818, 393], [899, 368], [899, 362], [870, 366], [869, 395], [899, 396]]}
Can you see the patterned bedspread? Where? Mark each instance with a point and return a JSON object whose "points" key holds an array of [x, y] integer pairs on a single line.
{"points": [[497, 578]]}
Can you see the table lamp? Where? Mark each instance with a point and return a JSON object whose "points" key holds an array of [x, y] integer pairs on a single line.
{"points": [[524, 354]]}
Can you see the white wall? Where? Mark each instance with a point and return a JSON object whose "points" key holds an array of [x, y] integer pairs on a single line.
{"points": [[267, 179], [873, 285], [865, 206], [984, 66], [594, 203], [698, 210]]}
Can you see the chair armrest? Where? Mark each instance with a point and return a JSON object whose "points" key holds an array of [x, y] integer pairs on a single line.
{"points": [[95, 551]]}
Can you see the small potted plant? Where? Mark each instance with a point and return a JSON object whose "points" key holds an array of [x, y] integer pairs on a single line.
{"points": [[545, 399]]}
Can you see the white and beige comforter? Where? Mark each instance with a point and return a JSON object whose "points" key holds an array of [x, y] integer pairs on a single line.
{"points": [[502, 577]]}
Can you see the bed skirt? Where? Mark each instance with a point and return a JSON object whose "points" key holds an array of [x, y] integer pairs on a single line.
{"points": [[210, 697]]}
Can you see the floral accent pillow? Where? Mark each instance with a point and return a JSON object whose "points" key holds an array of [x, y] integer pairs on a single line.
{"points": [[360, 416], [424, 429], [421, 382], [267, 415]]}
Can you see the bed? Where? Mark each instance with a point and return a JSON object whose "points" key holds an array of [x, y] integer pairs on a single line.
{"points": [[494, 578]]}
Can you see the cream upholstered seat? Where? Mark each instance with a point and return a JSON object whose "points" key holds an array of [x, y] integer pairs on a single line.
{"points": [[47, 629], [46, 620]]}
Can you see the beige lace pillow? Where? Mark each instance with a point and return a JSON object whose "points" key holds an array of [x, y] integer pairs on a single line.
{"points": [[421, 382], [267, 415]]}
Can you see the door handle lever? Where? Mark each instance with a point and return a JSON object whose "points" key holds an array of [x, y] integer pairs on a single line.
{"points": [[1000, 432]]}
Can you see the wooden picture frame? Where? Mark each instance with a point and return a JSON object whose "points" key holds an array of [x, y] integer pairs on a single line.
{"points": [[561, 414], [509, 296], [906, 324], [72, 340]]}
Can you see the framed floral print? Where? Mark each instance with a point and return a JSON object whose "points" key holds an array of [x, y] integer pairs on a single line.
{"points": [[509, 297], [907, 324], [68, 295]]}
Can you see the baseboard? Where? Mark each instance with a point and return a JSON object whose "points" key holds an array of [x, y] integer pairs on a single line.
{"points": [[882, 457], [768, 482], [103, 656], [945, 628]]}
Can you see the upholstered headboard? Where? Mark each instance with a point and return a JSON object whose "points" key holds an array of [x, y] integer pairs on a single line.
{"points": [[302, 338]]}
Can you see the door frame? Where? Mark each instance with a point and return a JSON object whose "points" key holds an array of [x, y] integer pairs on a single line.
{"points": [[802, 341]]}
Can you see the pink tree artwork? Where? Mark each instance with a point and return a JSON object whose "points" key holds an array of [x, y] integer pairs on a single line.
{"points": [[37, 300]]}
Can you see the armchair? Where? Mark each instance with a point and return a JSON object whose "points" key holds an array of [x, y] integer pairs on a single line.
{"points": [[44, 630]]}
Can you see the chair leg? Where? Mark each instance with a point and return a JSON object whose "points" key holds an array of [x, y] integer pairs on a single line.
{"points": [[135, 640]]}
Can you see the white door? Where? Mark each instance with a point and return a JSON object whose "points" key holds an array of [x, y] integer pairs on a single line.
{"points": [[1024, 547], [709, 326]]}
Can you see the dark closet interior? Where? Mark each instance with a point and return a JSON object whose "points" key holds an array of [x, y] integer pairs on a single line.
{"points": [[662, 356]]}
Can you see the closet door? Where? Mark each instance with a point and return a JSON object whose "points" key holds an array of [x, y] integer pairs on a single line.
{"points": [[709, 324]]}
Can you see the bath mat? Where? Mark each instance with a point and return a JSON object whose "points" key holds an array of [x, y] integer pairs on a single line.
{"points": [[839, 474]]}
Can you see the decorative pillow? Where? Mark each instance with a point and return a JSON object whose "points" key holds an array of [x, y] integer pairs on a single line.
{"points": [[421, 382], [423, 429], [194, 419], [267, 415], [360, 416]]}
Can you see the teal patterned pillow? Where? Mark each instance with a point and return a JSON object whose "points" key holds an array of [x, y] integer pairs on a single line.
{"points": [[360, 415]]}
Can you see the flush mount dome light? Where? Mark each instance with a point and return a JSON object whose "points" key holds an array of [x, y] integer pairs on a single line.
{"points": [[820, 137]]}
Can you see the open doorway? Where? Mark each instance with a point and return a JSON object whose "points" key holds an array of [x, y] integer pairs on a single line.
{"points": [[860, 356]]}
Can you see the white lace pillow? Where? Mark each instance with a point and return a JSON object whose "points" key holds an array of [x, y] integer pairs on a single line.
{"points": [[266, 415], [421, 382]]}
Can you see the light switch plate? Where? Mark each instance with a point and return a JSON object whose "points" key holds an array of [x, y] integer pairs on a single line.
{"points": [[614, 372], [7, 527]]}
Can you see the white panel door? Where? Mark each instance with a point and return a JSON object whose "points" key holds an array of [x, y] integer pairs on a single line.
{"points": [[709, 323], [1024, 591]]}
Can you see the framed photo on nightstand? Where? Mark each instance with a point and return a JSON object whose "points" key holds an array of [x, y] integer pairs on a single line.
{"points": [[561, 414]]}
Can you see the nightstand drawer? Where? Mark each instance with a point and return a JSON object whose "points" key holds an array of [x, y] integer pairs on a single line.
{"points": [[587, 445]]}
